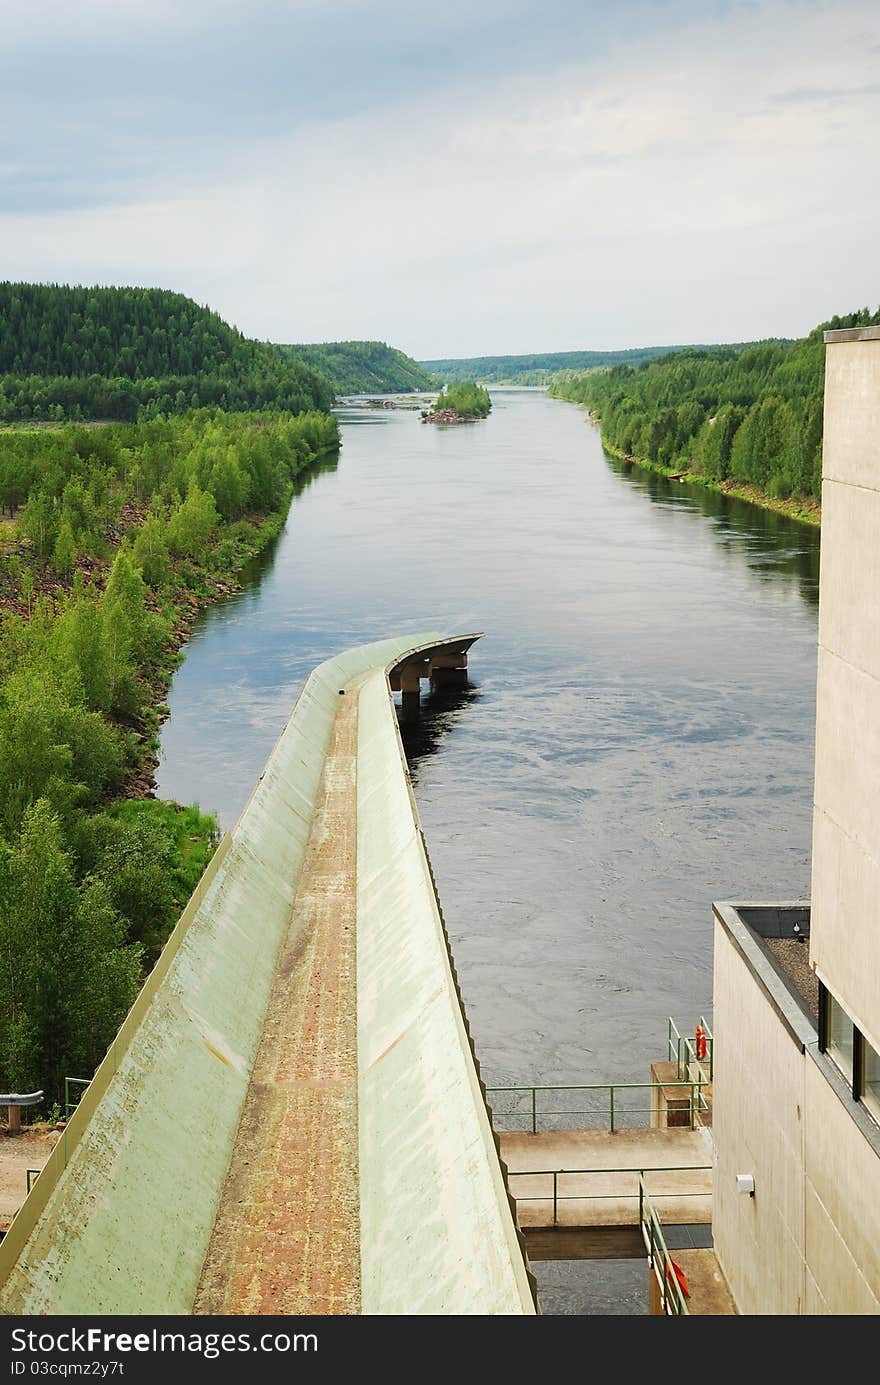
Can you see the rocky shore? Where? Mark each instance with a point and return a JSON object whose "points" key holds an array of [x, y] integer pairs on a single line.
{"points": [[446, 416]]}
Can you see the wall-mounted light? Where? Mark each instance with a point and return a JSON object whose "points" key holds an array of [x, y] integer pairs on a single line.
{"points": [[745, 1183]]}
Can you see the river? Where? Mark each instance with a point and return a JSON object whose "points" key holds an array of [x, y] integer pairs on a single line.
{"points": [[637, 740]]}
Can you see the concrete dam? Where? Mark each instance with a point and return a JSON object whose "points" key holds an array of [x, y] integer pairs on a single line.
{"points": [[291, 1118]]}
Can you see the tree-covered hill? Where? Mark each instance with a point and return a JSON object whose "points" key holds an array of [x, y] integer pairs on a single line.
{"points": [[747, 416], [363, 367], [124, 353], [539, 369]]}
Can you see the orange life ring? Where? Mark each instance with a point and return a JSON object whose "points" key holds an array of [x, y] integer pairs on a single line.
{"points": [[700, 1042]]}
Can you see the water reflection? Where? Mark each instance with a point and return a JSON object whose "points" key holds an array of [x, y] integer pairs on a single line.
{"points": [[438, 715], [252, 574], [772, 544]]}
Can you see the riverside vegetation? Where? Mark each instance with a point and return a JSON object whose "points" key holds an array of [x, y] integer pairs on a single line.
{"points": [[114, 538], [743, 419]]}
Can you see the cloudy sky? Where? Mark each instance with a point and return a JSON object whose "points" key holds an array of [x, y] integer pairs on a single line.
{"points": [[457, 179]]}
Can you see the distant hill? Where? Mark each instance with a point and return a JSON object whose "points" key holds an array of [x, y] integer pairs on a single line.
{"points": [[540, 369], [120, 353], [362, 367]]}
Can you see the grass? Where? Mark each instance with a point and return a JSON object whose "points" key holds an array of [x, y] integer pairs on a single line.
{"points": [[193, 835]]}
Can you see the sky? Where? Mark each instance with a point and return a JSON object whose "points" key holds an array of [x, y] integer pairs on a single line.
{"points": [[456, 179]]}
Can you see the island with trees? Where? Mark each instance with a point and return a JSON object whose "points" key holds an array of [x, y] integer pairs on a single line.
{"points": [[462, 402]]}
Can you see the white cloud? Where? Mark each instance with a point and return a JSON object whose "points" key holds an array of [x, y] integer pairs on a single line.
{"points": [[711, 183]]}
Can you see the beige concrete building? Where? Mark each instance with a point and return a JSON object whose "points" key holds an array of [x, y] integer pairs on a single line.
{"points": [[797, 987]]}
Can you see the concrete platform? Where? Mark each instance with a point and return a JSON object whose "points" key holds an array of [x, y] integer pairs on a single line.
{"points": [[18, 1153], [677, 1165], [709, 1295]]}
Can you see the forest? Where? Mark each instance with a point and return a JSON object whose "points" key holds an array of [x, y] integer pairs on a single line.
{"points": [[363, 367], [739, 416], [115, 536], [539, 369], [131, 353]]}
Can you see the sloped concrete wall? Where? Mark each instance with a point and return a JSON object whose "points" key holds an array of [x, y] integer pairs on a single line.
{"points": [[437, 1234], [120, 1218]]}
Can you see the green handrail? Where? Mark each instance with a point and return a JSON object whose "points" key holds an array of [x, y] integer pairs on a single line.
{"points": [[558, 1197], [612, 1106], [710, 1046], [681, 1049], [82, 1082], [672, 1299]]}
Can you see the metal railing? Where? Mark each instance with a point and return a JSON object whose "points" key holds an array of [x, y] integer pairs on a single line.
{"points": [[660, 1263], [610, 1107], [682, 1051], [553, 1193], [81, 1082]]}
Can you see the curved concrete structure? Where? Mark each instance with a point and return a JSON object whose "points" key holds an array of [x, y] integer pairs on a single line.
{"points": [[291, 1119]]}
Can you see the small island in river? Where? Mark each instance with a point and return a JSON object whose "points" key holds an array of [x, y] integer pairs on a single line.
{"points": [[463, 402]]}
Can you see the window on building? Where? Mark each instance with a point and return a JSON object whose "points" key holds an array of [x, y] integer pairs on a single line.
{"points": [[850, 1051], [871, 1079], [839, 1037]]}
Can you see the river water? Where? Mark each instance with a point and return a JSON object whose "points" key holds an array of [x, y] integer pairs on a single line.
{"points": [[637, 739]]}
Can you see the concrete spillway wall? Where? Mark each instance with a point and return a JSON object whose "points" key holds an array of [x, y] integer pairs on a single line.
{"points": [[121, 1218], [436, 1233]]}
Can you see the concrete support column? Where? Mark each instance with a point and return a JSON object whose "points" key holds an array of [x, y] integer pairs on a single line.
{"points": [[449, 671], [410, 687]]}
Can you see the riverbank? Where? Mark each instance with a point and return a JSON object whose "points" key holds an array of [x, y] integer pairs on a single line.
{"points": [[804, 511], [216, 582]]}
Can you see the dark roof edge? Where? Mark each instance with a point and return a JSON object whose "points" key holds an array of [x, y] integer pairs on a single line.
{"points": [[852, 334], [769, 979]]}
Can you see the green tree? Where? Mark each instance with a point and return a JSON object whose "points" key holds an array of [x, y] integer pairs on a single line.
{"points": [[150, 551], [67, 977], [193, 523], [64, 555], [124, 613], [39, 521]]}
